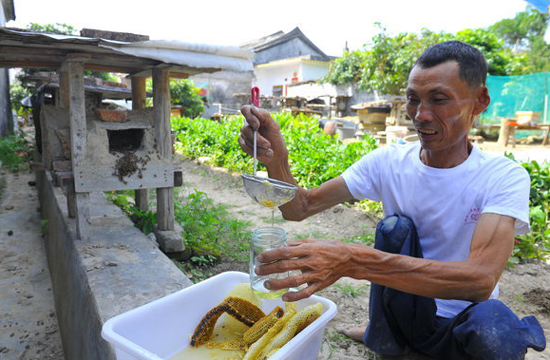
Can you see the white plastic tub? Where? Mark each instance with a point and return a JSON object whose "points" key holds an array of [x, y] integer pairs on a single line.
{"points": [[162, 328]]}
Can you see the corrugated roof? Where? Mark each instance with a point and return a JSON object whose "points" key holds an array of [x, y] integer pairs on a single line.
{"points": [[31, 49]]}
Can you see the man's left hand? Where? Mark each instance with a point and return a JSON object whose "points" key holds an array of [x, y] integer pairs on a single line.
{"points": [[320, 264]]}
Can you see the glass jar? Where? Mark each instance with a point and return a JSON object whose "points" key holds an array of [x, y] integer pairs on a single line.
{"points": [[264, 239]]}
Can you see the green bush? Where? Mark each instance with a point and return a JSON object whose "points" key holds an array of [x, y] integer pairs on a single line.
{"points": [[210, 230], [535, 244], [183, 93], [315, 156], [14, 152]]}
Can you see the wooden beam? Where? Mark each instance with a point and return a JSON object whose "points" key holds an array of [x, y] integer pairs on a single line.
{"points": [[161, 116], [77, 116], [28, 64], [139, 96]]}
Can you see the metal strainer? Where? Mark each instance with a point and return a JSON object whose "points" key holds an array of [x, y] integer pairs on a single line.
{"points": [[268, 192]]}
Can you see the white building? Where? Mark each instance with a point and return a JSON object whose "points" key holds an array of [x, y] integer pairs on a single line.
{"points": [[282, 59]]}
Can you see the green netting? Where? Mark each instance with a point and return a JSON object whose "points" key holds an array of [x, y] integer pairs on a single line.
{"points": [[518, 93]]}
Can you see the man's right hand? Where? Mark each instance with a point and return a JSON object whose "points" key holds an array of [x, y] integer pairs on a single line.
{"points": [[270, 143]]}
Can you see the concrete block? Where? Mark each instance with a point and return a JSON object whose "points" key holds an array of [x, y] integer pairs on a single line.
{"points": [[170, 240]]}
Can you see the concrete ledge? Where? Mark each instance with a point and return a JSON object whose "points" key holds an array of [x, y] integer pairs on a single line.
{"points": [[114, 271]]}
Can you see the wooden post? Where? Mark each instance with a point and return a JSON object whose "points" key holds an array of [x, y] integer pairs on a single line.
{"points": [[77, 116], [161, 103], [64, 92], [139, 95]]}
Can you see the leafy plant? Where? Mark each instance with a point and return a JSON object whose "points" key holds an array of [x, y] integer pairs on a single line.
{"points": [[350, 290], [535, 244], [209, 229], [315, 156], [15, 151], [18, 92]]}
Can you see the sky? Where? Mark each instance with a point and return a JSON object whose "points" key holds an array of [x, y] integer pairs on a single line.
{"points": [[328, 24]]}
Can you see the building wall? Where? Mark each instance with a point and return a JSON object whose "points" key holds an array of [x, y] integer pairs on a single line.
{"points": [[267, 77], [283, 74], [312, 70], [293, 48], [6, 118]]}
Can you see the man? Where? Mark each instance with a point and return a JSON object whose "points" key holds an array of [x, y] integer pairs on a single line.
{"points": [[451, 211]]}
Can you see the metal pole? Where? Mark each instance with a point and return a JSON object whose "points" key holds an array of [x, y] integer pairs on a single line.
{"points": [[545, 116]]}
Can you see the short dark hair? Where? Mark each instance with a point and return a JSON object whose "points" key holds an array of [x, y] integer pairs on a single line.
{"points": [[471, 62]]}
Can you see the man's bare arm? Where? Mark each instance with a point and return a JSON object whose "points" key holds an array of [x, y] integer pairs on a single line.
{"points": [[324, 262]]}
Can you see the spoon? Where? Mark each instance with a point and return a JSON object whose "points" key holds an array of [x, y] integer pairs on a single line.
{"points": [[255, 100], [255, 150]]}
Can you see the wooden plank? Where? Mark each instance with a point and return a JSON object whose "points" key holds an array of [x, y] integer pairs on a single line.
{"points": [[139, 97], [77, 116], [161, 118], [101, 178]]}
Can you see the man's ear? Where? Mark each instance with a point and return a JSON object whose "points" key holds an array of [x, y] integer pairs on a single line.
{"points": [[482, 100]]}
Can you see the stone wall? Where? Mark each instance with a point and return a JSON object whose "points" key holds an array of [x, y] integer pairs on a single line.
{"points": [[116, 270]]}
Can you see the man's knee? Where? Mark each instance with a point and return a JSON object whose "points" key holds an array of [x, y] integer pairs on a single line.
{"points": [[392, 232], [492, 331]]}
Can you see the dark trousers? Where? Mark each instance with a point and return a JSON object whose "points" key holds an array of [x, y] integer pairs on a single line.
{"points": [[487, 330]]}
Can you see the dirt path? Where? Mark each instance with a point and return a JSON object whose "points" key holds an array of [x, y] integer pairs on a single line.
{"points": [[28, 325], [525, 289]]}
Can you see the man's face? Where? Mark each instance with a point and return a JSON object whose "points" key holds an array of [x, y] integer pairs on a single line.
{"points": [[442, 106]]}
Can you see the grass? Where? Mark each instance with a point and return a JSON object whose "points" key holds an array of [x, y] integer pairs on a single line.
{"points": [[350, 290], [364, 239], [315, 234], [519, 298]]}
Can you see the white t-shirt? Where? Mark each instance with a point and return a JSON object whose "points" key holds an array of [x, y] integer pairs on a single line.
{"points": [[444, 204]]}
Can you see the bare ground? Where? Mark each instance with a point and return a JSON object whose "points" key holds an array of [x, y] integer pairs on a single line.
{"points": [[525, 288], [28, 324]]}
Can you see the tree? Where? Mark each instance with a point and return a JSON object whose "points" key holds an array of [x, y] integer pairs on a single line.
{"points": [[183, 93], [500, 59], [524, 35], [186, 94], [347, 69], [384, 64], [57, 28]]}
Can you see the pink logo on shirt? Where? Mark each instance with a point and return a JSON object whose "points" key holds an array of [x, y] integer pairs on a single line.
{"points": [[473, 216]]}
